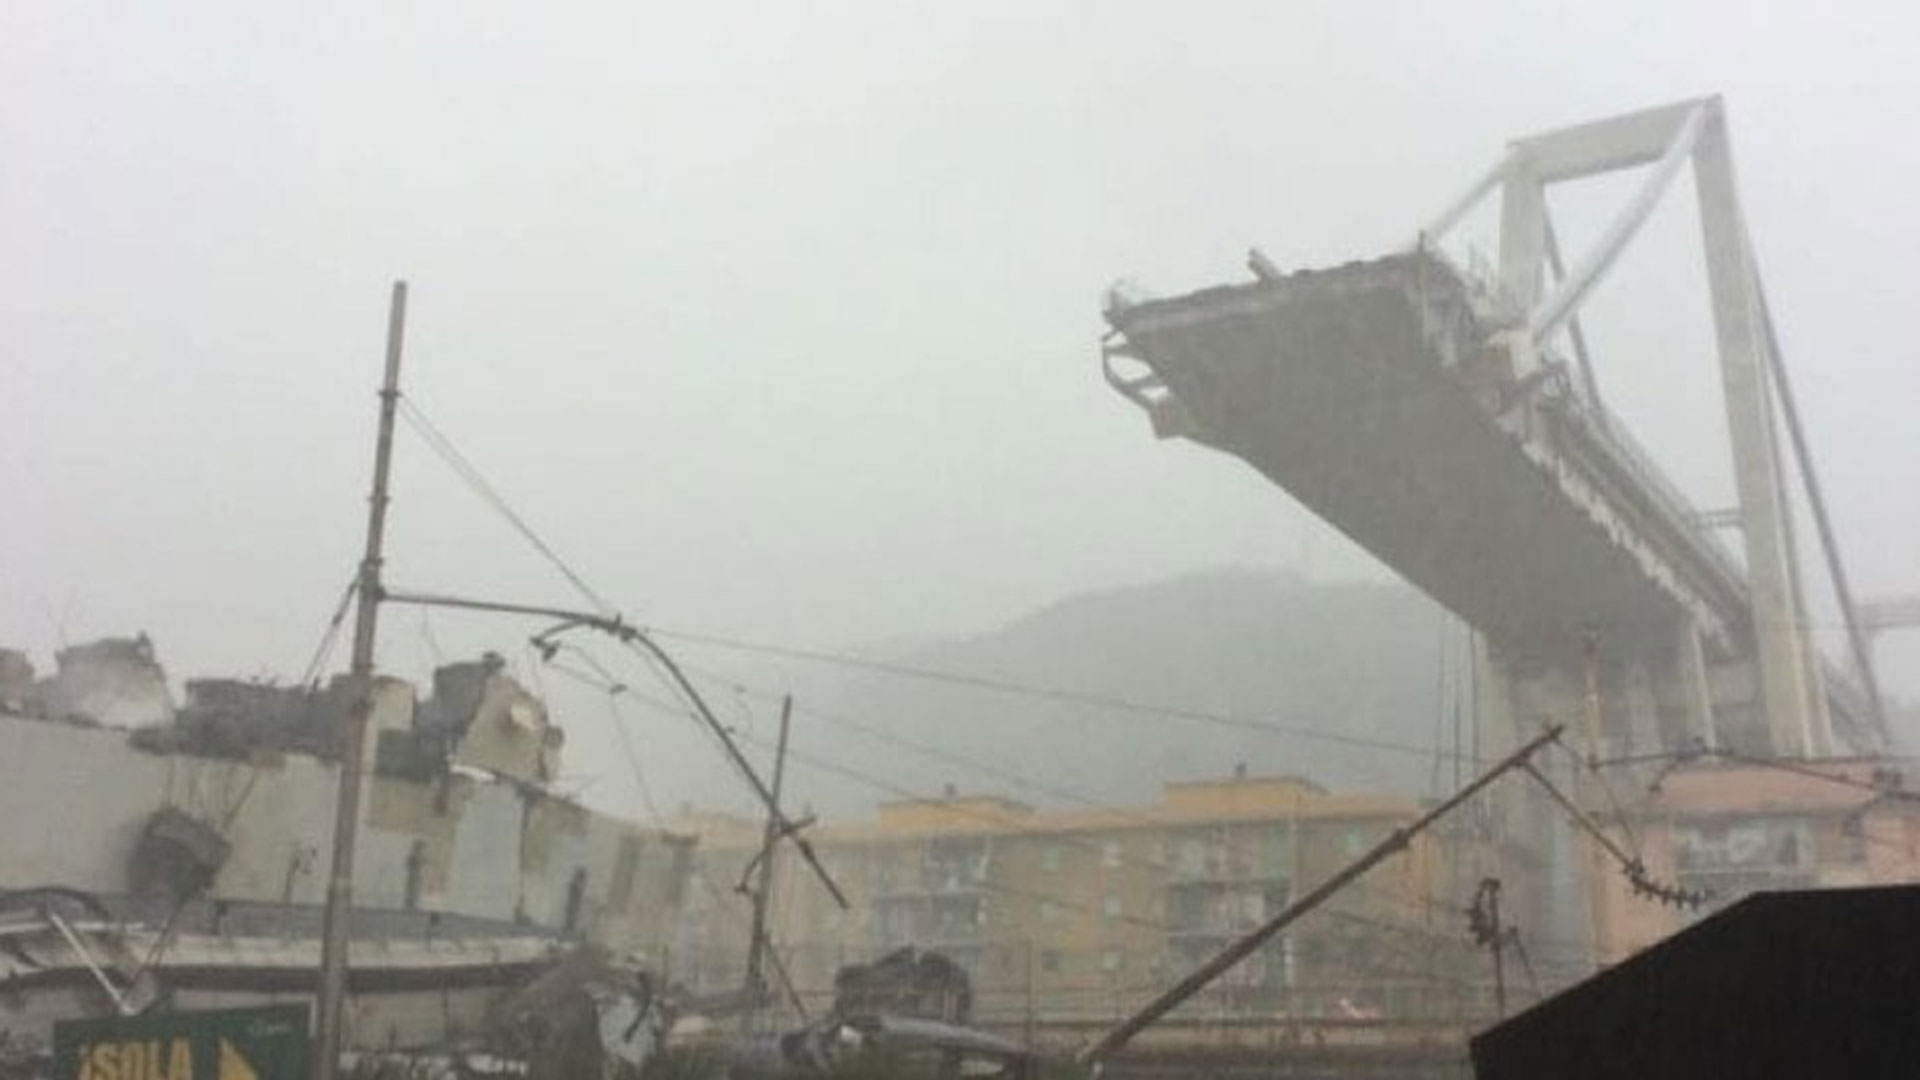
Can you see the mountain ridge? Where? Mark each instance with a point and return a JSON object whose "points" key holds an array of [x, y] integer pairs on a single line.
{"points": [[1345, 683]]}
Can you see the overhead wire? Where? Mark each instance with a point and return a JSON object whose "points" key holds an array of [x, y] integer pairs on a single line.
{"points": [[476, 481], [329, 637], [1416, 902], [1018, 779], [837, 768], [635, 640], [1157, 925], [428, 639], [1631, 865], [309, 681], [440, 444], [443, 446], [1413, 902], [1696, 753], [463, 467], [1104, 702], [718, 895], [888, 787], [606, 678], [1620, 814]]}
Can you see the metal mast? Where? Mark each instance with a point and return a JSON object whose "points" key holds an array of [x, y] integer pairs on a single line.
{"points": [[333, 945], [763, 887]]}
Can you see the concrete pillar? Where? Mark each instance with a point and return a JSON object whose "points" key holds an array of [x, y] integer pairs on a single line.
{"points": [[1523, 240], [1494, 715], [1780, 640], [1690, 674], [1819, 718], [1643, 712]]}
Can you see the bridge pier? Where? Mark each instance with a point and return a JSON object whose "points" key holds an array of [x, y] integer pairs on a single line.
{"points": [[1696, 692], [1797, 719]]}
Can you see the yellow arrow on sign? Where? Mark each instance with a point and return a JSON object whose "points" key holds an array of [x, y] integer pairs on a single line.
{"points": [[233, 1066]]}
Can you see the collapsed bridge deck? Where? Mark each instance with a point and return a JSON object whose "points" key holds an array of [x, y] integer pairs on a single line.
{"points": [[1368, 393]]}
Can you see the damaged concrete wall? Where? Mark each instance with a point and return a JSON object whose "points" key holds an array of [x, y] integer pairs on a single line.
{"points": [[510, 734], [16, 681], [603, 877], [278, 813], [236, 718], [114, 681], [478, 717], [457, 843], [73, 803]]}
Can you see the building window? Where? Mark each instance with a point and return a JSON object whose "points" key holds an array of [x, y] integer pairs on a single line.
{"points": [[1111, 961], [1049, 911], [1050, 962], [1853, 841], [1110, 854], [1050, 857], [956, 863], [1110, 906]]}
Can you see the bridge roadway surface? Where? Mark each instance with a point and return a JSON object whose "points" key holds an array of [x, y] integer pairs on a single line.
{"points": [[1362, 391]]}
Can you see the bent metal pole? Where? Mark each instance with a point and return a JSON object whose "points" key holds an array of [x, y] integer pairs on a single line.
{"points": [[1242, 948]]}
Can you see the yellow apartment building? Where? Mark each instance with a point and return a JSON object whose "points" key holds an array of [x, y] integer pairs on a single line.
{"points": [[1062, 915], [1071, 917]]}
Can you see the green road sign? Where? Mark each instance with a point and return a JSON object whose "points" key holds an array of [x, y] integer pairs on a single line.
{"points": [[267, 1043]]}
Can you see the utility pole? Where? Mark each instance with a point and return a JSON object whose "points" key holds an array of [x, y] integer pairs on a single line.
{"points": [[353, 738], [763, 888]]}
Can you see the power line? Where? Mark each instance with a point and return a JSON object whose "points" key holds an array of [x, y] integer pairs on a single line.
{"points": [[618, 719], [1416, 902], [613, 687], [476, 481], [1022, 781], [470, 474], [1696, 753], [1055, 694], [1619, 811], [1019, 780], [329, 636], [1631, 866], [1011, 890]]}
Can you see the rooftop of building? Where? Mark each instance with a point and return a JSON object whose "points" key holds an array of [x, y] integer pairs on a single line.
{"points": [[1183, 803], [1720, 785]]}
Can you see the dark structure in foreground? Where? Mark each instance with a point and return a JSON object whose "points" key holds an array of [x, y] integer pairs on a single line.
{"points": [[1805, 984]]}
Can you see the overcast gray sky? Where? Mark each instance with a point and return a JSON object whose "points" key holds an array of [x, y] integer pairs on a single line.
{"points": [[779, 319]]}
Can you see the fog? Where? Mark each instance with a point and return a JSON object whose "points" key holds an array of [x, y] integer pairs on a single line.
{"points": [[779, 322]]}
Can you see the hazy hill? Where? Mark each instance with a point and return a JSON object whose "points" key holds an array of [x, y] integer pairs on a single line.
{"points": [[1357, 661]]}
